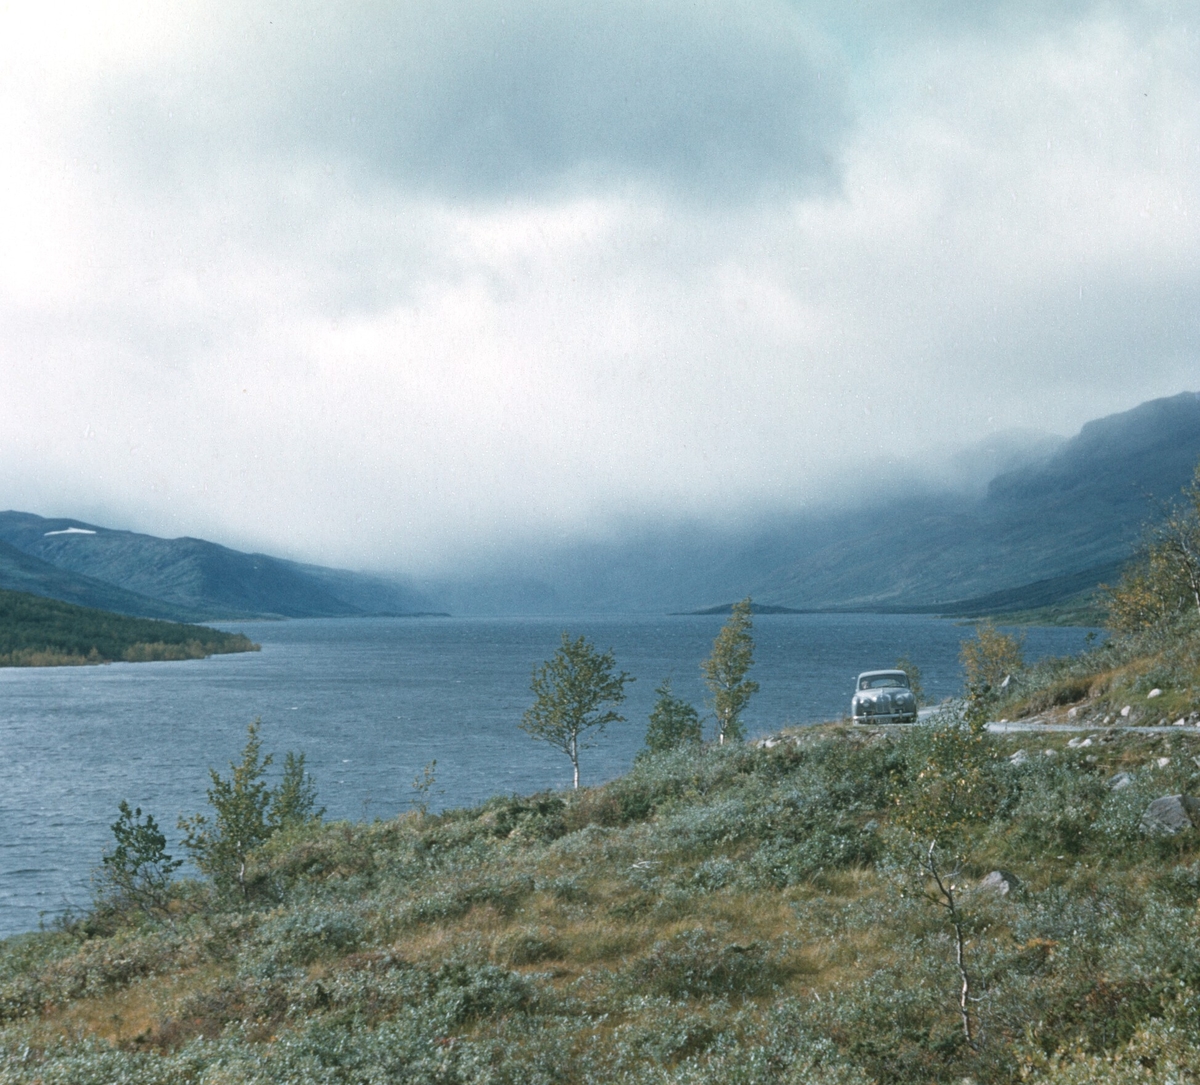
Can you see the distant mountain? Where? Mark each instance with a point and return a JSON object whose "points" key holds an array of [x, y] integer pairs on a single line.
{"points": [[183, 578], [22, 572], [1061, 521], [1083, 508], [1058, 518]]}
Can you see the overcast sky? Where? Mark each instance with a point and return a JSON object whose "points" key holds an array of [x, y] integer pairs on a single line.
{"points": [[392, 285]]}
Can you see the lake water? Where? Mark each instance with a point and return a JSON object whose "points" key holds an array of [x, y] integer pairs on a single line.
{"points": [[370, 702]]}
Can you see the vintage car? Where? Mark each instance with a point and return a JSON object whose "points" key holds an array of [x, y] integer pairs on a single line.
{"points": [[883, 697]]}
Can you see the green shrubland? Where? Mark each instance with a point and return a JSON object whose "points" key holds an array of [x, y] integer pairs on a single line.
{"points": [[721, 913]]}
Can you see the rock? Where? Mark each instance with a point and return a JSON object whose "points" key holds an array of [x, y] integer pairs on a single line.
{"points": [[1049, 753], [1122, 779], [1126, 710], [1072, 713], [1171, 814], [1018, 758], [1075, 742], [1154, 693], [1162, 762], [1000, 882], [1179, 722]]}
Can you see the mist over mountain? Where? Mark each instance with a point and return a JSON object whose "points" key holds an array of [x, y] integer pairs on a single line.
{"points": [[1068, 512], [1056, 517]]}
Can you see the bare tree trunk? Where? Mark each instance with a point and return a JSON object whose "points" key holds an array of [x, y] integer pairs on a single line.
{"points": [[946, 889], [575, 759]]}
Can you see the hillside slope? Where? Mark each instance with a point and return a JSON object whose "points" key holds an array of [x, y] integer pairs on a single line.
{"points": [[200, 578], [1048, 526], [40, 632], [24, 573], [719, 916], [1084, 508]]}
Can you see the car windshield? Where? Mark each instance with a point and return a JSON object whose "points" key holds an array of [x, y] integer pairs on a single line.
{"points": [[879, 681]]}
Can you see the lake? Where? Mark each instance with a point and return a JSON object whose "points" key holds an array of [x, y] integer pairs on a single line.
{"points": [[371, 701]]}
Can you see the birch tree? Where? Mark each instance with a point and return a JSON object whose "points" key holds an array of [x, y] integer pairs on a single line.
{"points": [[725, 672], [573, 694]]}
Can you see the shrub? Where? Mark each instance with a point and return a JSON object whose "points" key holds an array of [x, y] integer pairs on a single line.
{"points": [[673, 722], [696, 963], [137, 872]]}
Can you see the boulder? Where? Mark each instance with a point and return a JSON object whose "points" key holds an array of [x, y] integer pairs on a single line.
{"points": [[1018, 758], [1000, 882], [1122, 779], [1171, 814]]}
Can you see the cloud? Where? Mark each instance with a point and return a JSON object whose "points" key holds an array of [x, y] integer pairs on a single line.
{"points": [[491, 99], [412, 285]]}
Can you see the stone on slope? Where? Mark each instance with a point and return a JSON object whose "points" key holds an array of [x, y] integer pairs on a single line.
{"points": [[1171, 814], [1000, 882]]}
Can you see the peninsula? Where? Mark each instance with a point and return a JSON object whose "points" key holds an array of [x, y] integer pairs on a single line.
{"points": [[40, 632]]}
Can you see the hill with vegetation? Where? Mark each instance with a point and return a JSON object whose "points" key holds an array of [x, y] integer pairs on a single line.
{"points": [[25, 573], [40, 632], [190, 579]]}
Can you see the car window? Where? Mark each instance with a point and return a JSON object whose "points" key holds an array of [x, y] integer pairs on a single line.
{"points": [[882, 681]]}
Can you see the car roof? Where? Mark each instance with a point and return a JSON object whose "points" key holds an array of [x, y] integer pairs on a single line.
{"points": [[880, 674]]}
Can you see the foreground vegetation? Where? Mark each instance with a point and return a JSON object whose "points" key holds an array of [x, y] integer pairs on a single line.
{"points": [[40, 632], [724, 914]]}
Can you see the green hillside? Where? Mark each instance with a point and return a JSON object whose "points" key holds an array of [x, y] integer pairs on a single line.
{"points": [[39, 632], [732, 915]]}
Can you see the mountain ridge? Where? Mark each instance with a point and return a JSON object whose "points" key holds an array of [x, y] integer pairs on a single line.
{"points": [[1081, 507], [185, 578]]}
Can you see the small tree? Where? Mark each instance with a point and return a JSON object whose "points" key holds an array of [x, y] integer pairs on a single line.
{"points": [[914, 678], [137, 871], [246, 811], [570, 691], [294, 801], [1162, 584], [673, 722], [944, 898], [990, 658], [422, 785], [725, 672]]}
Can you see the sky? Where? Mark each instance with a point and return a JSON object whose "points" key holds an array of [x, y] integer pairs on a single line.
{"points": [[399, 286]]}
